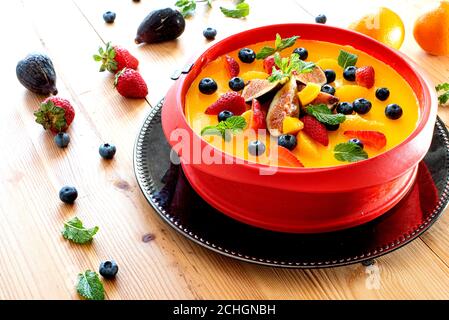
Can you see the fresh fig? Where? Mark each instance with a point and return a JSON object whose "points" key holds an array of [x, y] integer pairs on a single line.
{"points": [[316, 76], [161, 25], [257, 88], [285, 103], [37, 74], [327, 99]]}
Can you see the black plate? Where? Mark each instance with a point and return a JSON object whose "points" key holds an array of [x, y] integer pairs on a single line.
{"points": [[167, 190]]}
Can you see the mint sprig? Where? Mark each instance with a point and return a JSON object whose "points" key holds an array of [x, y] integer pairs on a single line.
{"points": [[286, 67], [349, 152], [279, 45], [322, 113], [443, 97], [232, 124], [89, 286], [241, 10], [346, 59], [76, 232]]}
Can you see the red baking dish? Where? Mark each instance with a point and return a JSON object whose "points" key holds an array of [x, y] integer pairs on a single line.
{"points": [[303, 200]]}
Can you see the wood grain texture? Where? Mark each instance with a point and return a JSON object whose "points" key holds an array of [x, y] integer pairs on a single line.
{"points": [[36, 262]]}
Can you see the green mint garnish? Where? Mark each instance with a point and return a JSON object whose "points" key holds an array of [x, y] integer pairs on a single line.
{"points": [[289, 65], [234, 124], [241, 10], [279, 45], [349, 152], [76, 232], [89, 286], [322, 113], [186, 7], [346, 59], [443, 97]]}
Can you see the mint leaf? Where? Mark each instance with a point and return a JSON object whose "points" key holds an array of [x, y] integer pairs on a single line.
{"points": [[443, 98], [349, 152], [234, 124], [322, 113], [265, 52], [186, 7], [286, 43], [76, 232], [241, 10], [89, 286], [346, 59], [279, 45], [289, 65]]}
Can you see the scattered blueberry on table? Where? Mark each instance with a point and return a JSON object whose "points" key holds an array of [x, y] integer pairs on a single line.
{"points": [[207, 86], [109, 16], [108, 269], [107, 151], [210, 33], [68, 194], [62, 139], [321, 18]]}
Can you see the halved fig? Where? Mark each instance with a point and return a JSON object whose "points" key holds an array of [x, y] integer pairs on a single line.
{"points": [[327, 99], [316, 76], [285, 103], [257, 88]]}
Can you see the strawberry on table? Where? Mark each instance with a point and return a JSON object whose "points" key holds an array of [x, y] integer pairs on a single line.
{"points": [[115, 58], [372, 139], [231, 101], [315, 130], [364, 76], [232, 66], [130, 84], [55, 114]]}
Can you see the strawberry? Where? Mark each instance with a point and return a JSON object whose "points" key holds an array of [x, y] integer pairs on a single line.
{"points": [[115, 58], [373, 139], [257, 120], [287, 158], [232, 66], [55, 114], [364, 76], [130, 84], [268, 64], [315, 129], [230, 101]]}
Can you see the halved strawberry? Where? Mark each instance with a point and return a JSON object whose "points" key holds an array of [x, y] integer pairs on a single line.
{"points": [[315, 130], [364, 76], [372, 139], [287, 158], [258, 117], [232, 66], [231, 101], [268, 64]]}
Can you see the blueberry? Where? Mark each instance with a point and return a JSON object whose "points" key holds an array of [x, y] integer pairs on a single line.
{"points": [[225, 114], [361, 106], [357, 142], [210, 33], [107, 151], [68, 194], [393, 111], [109, 16], [349, 73], [302, 52], [345, 108], [256, 148], [321, 18], [330, 75], [247, 55], [207, 86], [62, 139], [108, 269], [287, 141], [332, 127], [327, 88], [236, 84], [382, 94]]}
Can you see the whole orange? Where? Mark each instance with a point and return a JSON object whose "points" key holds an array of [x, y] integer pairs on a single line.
{"points": [[431, 30]]}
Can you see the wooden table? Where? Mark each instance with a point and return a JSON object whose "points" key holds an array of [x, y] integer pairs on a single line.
{"points": [[36, 262]]}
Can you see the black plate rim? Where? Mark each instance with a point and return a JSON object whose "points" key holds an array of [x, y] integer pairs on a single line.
{"points": [[147, 187]]}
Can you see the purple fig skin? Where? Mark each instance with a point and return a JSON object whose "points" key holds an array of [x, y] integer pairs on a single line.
{"points": [[37, 74], [160, 25]]}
